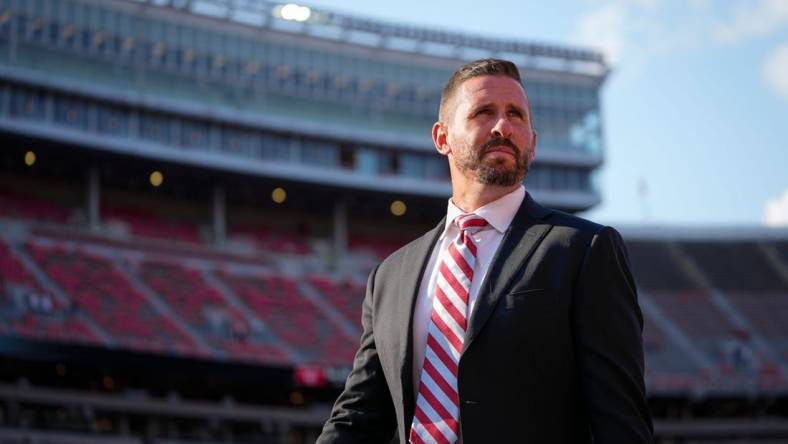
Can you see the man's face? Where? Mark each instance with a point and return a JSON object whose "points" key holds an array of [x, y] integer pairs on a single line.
{"points": [[487, 132]]}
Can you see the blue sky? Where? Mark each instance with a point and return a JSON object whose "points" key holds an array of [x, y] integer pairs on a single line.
{"points": [[696, 107]]}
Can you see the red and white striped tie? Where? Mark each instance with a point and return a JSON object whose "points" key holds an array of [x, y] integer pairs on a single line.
{"points": [[437, 415]]}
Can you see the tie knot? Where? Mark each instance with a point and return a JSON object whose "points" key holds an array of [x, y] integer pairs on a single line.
{"points": [[470, 222]]}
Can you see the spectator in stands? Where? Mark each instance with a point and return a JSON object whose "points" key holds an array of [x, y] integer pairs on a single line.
{"points": [[739, 354], [508, 322]]}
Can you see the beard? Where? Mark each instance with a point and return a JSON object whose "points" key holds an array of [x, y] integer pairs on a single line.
{"points": [[494, 171]]}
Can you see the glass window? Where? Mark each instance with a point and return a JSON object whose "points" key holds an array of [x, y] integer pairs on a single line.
{"points": [[585, 181], [5, 98], [37, 28], [535, 179], [412, 166], [240, 142], [572, 179], [388, 162], [71, 112], [155, 127], [275, 147], [112, 120], [83, 40], [37, 7], [27, 103], [367, 160], [319, 153], [195, 134], [558, 179], [436, 168]]}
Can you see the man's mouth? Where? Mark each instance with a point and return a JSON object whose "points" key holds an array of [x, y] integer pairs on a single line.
{"points": [[500, 149], [500, 145]]}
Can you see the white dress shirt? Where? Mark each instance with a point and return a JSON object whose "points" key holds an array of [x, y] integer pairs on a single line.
{"points": [[499, 215]]}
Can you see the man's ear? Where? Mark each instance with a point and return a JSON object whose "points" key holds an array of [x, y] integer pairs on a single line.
{"points": [[440, 138], [533, 147]]}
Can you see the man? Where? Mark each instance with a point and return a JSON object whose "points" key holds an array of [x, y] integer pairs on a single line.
{"points": [[506, 323]]}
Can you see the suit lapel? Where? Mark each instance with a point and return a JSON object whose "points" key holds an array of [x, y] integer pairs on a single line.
{"points": [[413, 264], [519, 241]]}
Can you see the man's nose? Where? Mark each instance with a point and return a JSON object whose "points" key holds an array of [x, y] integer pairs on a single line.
{"points": [[502, 128]]}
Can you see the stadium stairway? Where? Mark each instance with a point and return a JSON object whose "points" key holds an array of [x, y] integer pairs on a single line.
{"points": [[329, 310], [674, 333], [27, 309], [292, 354], [88, 275], [165, 310], [721, 303], [78, 258], [345, 295], [773, 257], [294, 318], [42, 280]]}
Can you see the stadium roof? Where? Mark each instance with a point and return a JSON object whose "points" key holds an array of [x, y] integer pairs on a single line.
{"points": [[394, 36]]}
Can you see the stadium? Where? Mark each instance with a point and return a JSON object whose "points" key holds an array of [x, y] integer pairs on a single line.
{"points": [[193, 192]]}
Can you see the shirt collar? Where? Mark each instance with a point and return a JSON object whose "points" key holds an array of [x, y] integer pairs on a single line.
{"points": [[498, 213]]}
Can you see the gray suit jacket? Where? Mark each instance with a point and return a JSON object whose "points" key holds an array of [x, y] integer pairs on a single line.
{"points": [[553, 351]]}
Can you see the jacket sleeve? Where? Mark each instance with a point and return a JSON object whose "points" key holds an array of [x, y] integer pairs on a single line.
{"points": [[364, 412], [608, 339]]}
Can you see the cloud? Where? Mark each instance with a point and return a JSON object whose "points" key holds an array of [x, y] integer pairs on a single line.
{"points": [[775, 70], [636, 29], [641, 28], [776, 211], [604, 29], [751, 21], [703, 5]]}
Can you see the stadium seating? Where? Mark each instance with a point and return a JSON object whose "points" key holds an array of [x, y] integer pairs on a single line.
{"points": [[104, 294], [738, 270], [15, 204], [294, 319], [30, 311], [379, 246], [667, 366], [767, 313], [11, 270], [696, 315], [749, 272], [206, 311], [655, 268], [686, 281], [271, 239], [156, 247], [782, 251], [146, 223], [345, 296]]}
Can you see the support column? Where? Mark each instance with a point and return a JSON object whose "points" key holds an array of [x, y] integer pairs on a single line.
{"points": [[340, 230], [219, 215], [93, 200]]}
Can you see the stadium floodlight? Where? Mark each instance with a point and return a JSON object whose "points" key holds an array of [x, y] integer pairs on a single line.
{"points": [[398, 208], [294, 12], [156, 178], [278, 195]]}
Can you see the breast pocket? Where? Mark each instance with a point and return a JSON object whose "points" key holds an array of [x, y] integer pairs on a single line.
{"points": [[531, 298]]}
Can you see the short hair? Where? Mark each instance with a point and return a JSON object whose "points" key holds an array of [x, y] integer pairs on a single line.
{"points": [[477, 68]]}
